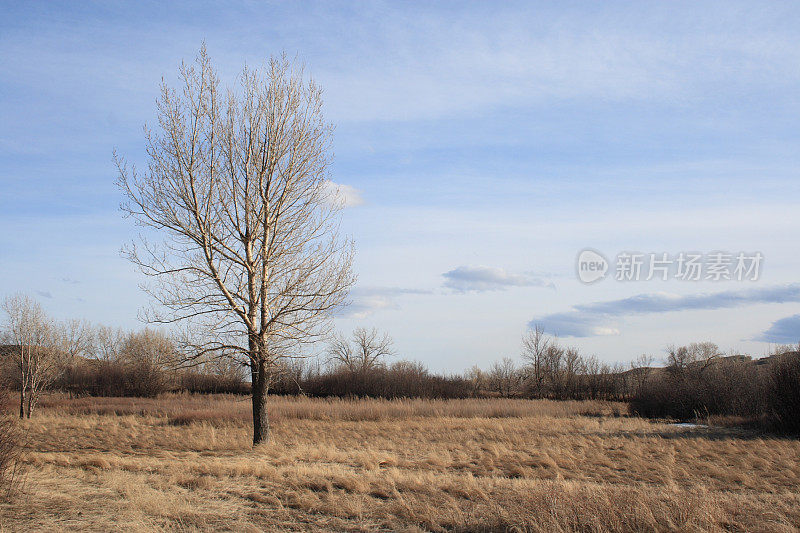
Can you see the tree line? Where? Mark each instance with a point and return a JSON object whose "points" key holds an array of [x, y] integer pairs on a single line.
{"points": [[696, 381], [699, 383]]}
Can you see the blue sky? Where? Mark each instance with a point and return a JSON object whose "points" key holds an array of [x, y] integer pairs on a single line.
{"points": [[486, 144]]}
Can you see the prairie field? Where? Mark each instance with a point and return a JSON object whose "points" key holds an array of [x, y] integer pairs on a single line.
{"points": [[182, 462]]}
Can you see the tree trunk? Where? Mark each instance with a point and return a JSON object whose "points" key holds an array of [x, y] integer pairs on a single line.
{"points": [[22, 402], [259, 392]]}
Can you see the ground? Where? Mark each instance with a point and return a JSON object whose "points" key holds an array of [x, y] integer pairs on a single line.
{"points": [[186, 463]]}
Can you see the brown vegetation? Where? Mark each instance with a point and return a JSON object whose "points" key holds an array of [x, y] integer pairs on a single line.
{"points": [[764, 392], [183, 462], [10, 453]]}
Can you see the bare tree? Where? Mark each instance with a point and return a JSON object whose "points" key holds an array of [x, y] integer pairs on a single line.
{"points": [[704, 352], [76, 338], [504, 377], [573, 365], [698, 354], [237, 183], [476, 379], [553, 366], [149, 356], [226, 369], [365, 350], [593, 371], [640, 369], [107, 343], [534, 346], [34, 349]]}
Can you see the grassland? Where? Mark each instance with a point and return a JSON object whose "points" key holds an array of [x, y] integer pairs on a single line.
{"points": [[186, 463]]}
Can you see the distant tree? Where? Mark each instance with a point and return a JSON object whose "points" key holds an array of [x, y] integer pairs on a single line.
{"points": [[781, 349], [640, 369], [34, 346], [553, 365], [593, 372], [107, 343], [149, 355], [573, 366], [76, 338], [476, 379], [365, 350], [699, 354], [503, 377], [237, 182], [535, 345]]}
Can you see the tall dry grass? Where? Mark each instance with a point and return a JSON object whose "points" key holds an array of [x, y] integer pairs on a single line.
{"points": [[350, 466], [230, 409], [11, 453]]}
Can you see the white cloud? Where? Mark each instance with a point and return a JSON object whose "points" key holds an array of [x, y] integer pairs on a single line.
{"points": [[345, 195], [484, 278], [603, 332], [369, 300]]}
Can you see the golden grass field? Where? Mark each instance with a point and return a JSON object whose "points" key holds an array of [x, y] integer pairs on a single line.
{"points": [[186, 463]]}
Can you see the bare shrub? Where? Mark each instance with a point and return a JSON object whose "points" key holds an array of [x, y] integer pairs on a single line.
{"points": [[698, 382], [10, 449], [148, 356], [783, 396], [504, 377]]}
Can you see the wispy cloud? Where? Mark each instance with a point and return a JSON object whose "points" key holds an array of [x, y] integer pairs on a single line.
{"points": [[785, 330], [597, 318], [484, 278], [346, 195], [368, 300], [45, 294], [575, 56]]}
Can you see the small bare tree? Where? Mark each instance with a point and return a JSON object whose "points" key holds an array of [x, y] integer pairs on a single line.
{"points": [[107, 343], [237, 183], [366, 350], [573, 366], [34, 349], [535, 345], [640, 369], [76, 338], [504, 377], [149, 356], [697, 354], [476, 379]]}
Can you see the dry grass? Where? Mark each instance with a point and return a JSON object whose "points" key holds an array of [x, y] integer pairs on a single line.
{"points": [[185, 463], [224, 409]]}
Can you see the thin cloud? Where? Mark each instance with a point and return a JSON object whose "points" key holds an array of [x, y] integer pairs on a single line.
{"points": [[588, 320], [45, 294], [573, 59], [345, 195], [784, 331], [369, 300], [483, 278]]}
